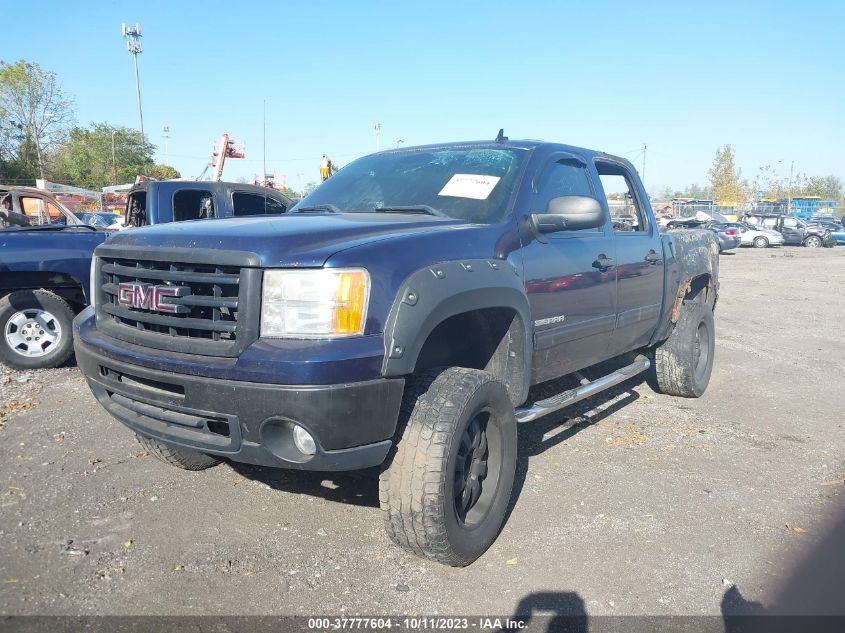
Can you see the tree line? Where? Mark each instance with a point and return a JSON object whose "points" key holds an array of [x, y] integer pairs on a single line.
{"points": [[40, 137], [726, 184]]}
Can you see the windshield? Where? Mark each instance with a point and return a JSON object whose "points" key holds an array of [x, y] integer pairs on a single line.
{"points": [[471, 184]]}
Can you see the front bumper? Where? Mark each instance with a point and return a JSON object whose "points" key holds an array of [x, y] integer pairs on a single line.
{"points": [[249, 422]]}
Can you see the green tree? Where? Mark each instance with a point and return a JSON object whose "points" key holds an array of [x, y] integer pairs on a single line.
{"points": [[86, 160], [163, 172], [726, 184], [35, 115], [697, 192], [827, 187]]}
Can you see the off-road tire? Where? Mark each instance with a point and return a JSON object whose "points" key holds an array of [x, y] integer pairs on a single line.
{"points": [[680, 368], [813, 241], [417, 486], [760, 242], [175, 456], [43, 300]]}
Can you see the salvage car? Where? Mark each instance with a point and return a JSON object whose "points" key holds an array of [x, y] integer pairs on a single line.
{"points": [[152, 202], [727, 235], [397, 317], [837, 231], [795, 231], [45, 265], [755, 236]]}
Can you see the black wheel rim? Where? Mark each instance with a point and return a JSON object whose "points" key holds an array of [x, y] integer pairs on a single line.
{"points": [[701, 349], [477, 466]]}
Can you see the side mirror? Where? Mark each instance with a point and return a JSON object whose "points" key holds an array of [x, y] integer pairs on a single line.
{"points": [[569, 213]]}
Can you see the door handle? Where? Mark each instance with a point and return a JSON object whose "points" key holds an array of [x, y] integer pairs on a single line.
{"points": [[652, 258], [603, 263]]}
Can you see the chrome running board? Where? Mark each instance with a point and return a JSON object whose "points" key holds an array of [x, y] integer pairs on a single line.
{"points": [[561, 400]]}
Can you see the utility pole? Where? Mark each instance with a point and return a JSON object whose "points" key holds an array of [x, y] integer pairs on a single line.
{"points": [[377, 132], [643, 177], [789, 193], [134, 46], [165, 135], [264, 148]]}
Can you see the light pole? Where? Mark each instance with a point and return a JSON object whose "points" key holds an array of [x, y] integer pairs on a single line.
{"points": [[134, 46], [165, 135], [377, 132], [789, 192]]}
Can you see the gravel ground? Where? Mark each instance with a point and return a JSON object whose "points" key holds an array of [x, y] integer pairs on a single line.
{"points": [[631, 503]]}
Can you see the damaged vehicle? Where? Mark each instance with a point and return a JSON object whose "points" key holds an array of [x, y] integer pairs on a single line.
{"points": [[158, 201], [45, 265], [397, 317]]}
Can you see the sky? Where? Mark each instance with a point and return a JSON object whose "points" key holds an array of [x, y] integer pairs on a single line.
{"points": [[682, 78]]}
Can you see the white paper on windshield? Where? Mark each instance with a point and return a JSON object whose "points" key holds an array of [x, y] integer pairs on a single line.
{"points": [[469, 186]]}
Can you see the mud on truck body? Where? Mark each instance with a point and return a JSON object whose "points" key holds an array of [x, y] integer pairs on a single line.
{"points": [[397, 317]]}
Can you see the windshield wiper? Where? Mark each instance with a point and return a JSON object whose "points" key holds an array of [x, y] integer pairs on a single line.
{"points": [[414, 208], [319, 207]]}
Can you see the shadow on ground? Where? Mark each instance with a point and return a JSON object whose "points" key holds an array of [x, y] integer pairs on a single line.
{"points": [[361, 487]]}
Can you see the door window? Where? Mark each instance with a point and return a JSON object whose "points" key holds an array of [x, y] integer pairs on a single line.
{"points": [[626, 211], [35, 209], [255, 204], [565, 177], [192, 204]]}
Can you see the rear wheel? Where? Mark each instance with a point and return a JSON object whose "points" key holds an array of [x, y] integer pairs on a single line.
{"points": [[445, 489], [177, 456], [813, 241], [683, 362], [35, 329], [760, 242]]}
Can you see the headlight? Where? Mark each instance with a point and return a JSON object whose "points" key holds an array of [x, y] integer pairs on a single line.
{"points": [[318, 303], [93, 282]]}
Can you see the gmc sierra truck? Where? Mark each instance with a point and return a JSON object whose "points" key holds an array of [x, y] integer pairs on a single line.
{"points": [[157, 201], [397, 317]]}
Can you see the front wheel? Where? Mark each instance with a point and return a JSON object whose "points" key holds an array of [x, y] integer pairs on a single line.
{"points": [[445, 490], [35, 329], [683, 362], [760, 242], [813, 241]]}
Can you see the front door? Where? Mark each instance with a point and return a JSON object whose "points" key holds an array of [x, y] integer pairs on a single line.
{"points": [[639, 258], [792, 231], [570, 279]]}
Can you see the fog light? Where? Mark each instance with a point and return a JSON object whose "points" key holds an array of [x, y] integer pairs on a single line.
{"points": [[303, 441]]}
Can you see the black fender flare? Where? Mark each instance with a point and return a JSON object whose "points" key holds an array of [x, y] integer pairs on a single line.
{"points": [[432, 294]]}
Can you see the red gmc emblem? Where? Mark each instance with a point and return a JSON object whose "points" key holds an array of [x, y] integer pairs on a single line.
{"points": [[150, 297]]}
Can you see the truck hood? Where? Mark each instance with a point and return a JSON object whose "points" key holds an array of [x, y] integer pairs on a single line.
{"points": [[293, 240]]}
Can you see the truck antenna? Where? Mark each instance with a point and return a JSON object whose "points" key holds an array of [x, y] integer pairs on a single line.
{"points": [[500, 137]]}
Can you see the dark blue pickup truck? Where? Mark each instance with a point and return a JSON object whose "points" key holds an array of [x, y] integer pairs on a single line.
{"points": [[45, 262], [46, 251], [398, 316]]}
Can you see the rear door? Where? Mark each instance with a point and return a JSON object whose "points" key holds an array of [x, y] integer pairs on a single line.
{"points": [[570, 278], [639, 257]]}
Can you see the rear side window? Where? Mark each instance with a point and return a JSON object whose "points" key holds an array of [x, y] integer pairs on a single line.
{"points": [[255, 204], [192, 204], [626, 210]]}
